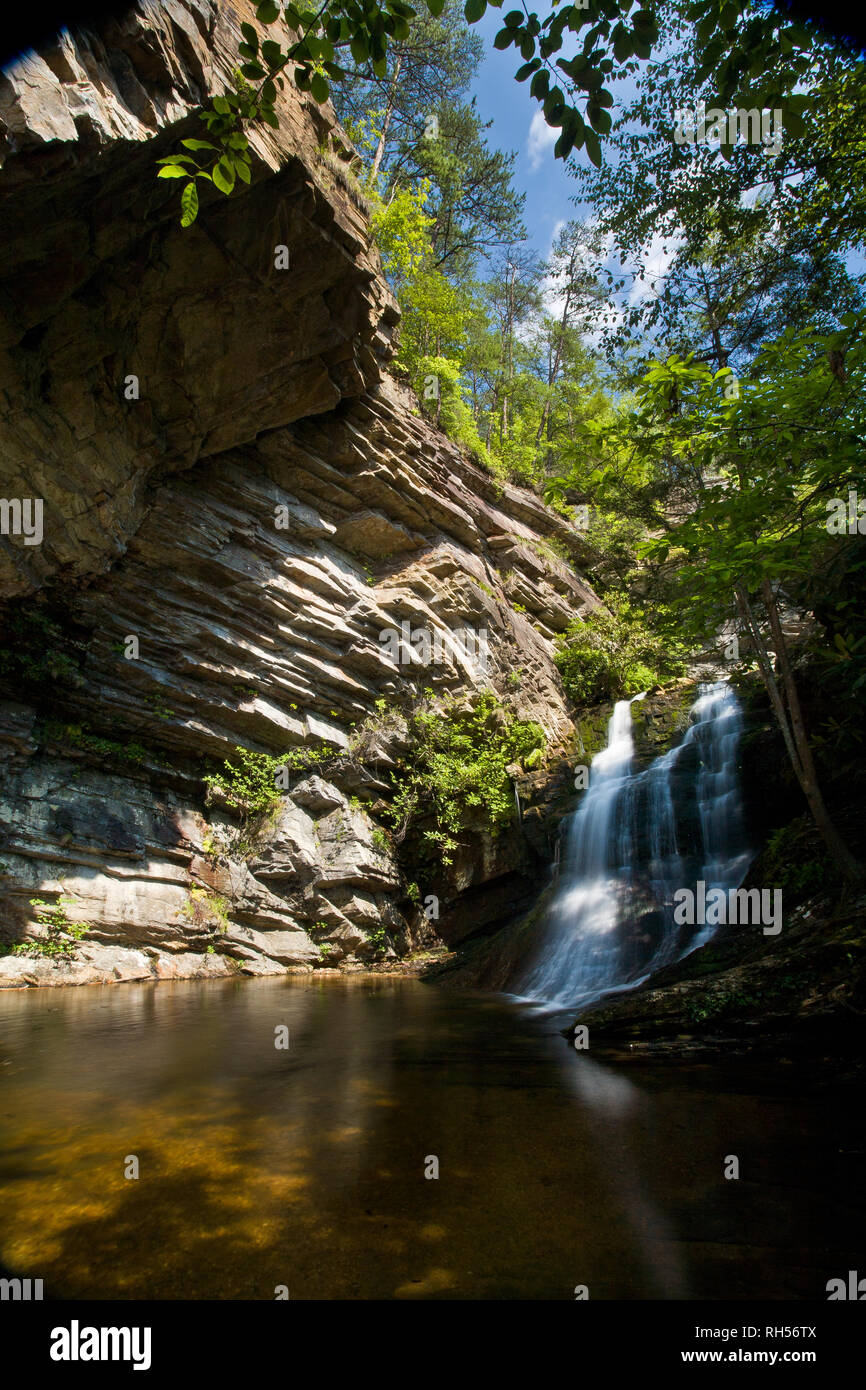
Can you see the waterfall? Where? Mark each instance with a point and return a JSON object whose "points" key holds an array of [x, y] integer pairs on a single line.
{"points": [[635, 839]]}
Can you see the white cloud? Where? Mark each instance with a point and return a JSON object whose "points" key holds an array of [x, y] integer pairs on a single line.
{"points": [[658, 256], [557, 228], [541, 138]]}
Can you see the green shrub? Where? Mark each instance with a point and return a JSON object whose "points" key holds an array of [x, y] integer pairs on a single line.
{"points": [[62, 937], [39, 652], [380, 841], [612, 656], [248, 782], [207, 909], [455, 772], [795, 860], [377, 938]]}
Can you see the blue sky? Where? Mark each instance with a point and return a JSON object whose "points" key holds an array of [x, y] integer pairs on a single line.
{"points": [[508, 104]]}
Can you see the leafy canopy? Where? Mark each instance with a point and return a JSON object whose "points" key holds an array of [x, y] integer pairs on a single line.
{"points": [[570, 56]]}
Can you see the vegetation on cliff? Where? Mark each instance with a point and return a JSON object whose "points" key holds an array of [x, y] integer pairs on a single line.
{"points": [[455, 770]]}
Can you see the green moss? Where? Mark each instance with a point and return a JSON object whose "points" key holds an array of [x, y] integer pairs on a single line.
{"points": [[159, 707], [80, 736], [716, 1005], [592, 732]]}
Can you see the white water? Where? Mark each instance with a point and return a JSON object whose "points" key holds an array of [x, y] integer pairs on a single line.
{"points": [[634, 840]]}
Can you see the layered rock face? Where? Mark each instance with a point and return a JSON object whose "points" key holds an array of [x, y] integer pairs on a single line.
{"points": [[242, 516]]}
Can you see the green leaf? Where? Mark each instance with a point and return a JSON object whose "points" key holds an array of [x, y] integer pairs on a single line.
{"points": [[272, 53], [514, 19], [593, 147], [621, 43], [436, 7], [243, 167], [253, 71], [173, 171], [221, 105], [474, 10], [319, 88], [267, 12], [189, 204], [178, 158], [224, 176], [503, 38], [198, 144], [250, 36], [599, 119], [793, 123]]}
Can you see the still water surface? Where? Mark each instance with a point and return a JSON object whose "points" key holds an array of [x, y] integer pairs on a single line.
{"points": [[262, 1167]]}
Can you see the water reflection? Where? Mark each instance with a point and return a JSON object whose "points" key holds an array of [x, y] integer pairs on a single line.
{"points": [[261, 1167]]}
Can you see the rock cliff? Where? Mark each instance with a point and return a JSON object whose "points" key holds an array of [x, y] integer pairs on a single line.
{"points": [[238, 500]]}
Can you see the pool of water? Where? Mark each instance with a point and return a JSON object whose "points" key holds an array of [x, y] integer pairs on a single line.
{"points": [[262, 1167]]}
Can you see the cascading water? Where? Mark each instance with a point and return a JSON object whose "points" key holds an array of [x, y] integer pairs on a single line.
{"points": [[635, 839]]}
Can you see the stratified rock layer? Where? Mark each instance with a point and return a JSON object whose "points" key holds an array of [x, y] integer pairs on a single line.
{"points": [[230, 478]]}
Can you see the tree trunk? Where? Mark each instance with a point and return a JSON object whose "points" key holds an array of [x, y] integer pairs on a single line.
{"points": [[553, 372], [807, 774], [389, 111], [771, 685]]}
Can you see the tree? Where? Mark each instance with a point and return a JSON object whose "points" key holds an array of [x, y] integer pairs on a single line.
{"points": [[759, 474], [575, 288], [433, 63], [809, 191], [756, 43], [474, 206]]}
